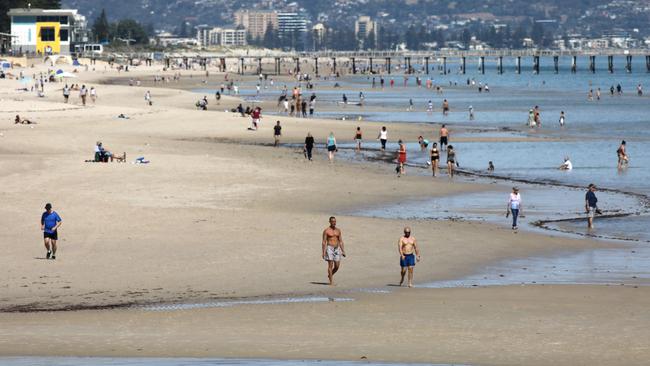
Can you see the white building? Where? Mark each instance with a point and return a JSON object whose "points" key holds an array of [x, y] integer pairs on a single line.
{"points": [[51, 31], [290, 23], [228, 36], [365, 26], [256, 22]]}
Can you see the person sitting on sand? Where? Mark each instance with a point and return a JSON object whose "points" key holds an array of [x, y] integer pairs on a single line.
{"points": [[567, 165], [23, 121]]}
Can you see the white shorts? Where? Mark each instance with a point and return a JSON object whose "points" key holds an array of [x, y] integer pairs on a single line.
{"points": [[592, 212], [333, 254]]}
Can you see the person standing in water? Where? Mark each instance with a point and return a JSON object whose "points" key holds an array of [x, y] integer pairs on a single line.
{"points": [[331, 146], [451, 161], [591, 205], [401, 158], [471, 113], [407, 246], [444, 137], [435, 158], [514, 206], [623, 159], [445, 108], [383, 137], [333, 249], [561, 119], [50, 223], [357, 139]]}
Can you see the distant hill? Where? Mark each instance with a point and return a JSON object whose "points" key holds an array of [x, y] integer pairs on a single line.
{"points": [[588, 17]]}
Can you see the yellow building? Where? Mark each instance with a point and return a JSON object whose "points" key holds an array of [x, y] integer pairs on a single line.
{"points": [[46, 31]]}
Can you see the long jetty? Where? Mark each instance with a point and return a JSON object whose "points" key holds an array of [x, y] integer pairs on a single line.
{"points": [[374, 62]]}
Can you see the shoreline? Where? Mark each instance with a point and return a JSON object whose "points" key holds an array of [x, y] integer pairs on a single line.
{"points": [[208, 220]]}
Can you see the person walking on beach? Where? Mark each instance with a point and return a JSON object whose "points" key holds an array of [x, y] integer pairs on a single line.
{"points": [[147, 98], [82, 94], [401, 158], [66, 93], [333, 249], [444, 137], [514, 206], [383, 137], [50, 223], [93, 94], [358, 136], [623, 159], [408, 255], [591, 205], [331, 146], [435, 158], [451, 161], [309, 146], [277, 132], [256, 115]]}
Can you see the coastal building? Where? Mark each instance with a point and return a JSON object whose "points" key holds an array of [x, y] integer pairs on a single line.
{"points": [[290, 23], [318, 31], [203, 35], [228, 36], [256, 22], [364, 26], [47, 31]]}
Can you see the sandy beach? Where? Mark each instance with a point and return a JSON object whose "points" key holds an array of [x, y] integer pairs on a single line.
{"points": [[219, 213]]}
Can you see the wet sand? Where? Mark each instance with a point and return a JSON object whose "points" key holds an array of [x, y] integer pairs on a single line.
{"points": [[219, 215]]}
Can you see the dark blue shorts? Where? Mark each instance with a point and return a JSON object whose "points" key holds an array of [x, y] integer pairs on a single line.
{"points": [[408, 261]]}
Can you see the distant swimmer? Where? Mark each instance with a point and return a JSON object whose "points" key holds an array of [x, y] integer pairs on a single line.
{"points": [[408, 255], [333, 249], [623, 158], [567, 165], [561, 119]]}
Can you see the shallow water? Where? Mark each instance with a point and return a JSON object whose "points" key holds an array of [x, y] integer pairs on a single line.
{"points": [[231, 303], [628, 265], [105, 361]]}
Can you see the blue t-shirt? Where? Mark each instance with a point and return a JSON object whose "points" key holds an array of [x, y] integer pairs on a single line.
{"points": [[49, 220], [591, 199]]}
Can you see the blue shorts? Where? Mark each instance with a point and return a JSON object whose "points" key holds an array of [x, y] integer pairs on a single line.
{"points": [[408, 261]]}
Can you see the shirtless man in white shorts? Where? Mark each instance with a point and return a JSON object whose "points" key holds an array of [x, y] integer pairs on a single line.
{"points": [[333, 249]]}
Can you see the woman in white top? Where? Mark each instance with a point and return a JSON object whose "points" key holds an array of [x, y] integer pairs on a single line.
{"points": [[383, 137], [514, 206]]}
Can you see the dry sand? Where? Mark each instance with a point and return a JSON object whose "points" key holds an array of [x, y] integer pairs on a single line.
{"points": [[219, 215]]}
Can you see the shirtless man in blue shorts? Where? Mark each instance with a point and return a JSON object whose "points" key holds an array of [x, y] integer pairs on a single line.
{"points": [[408, 255]]}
